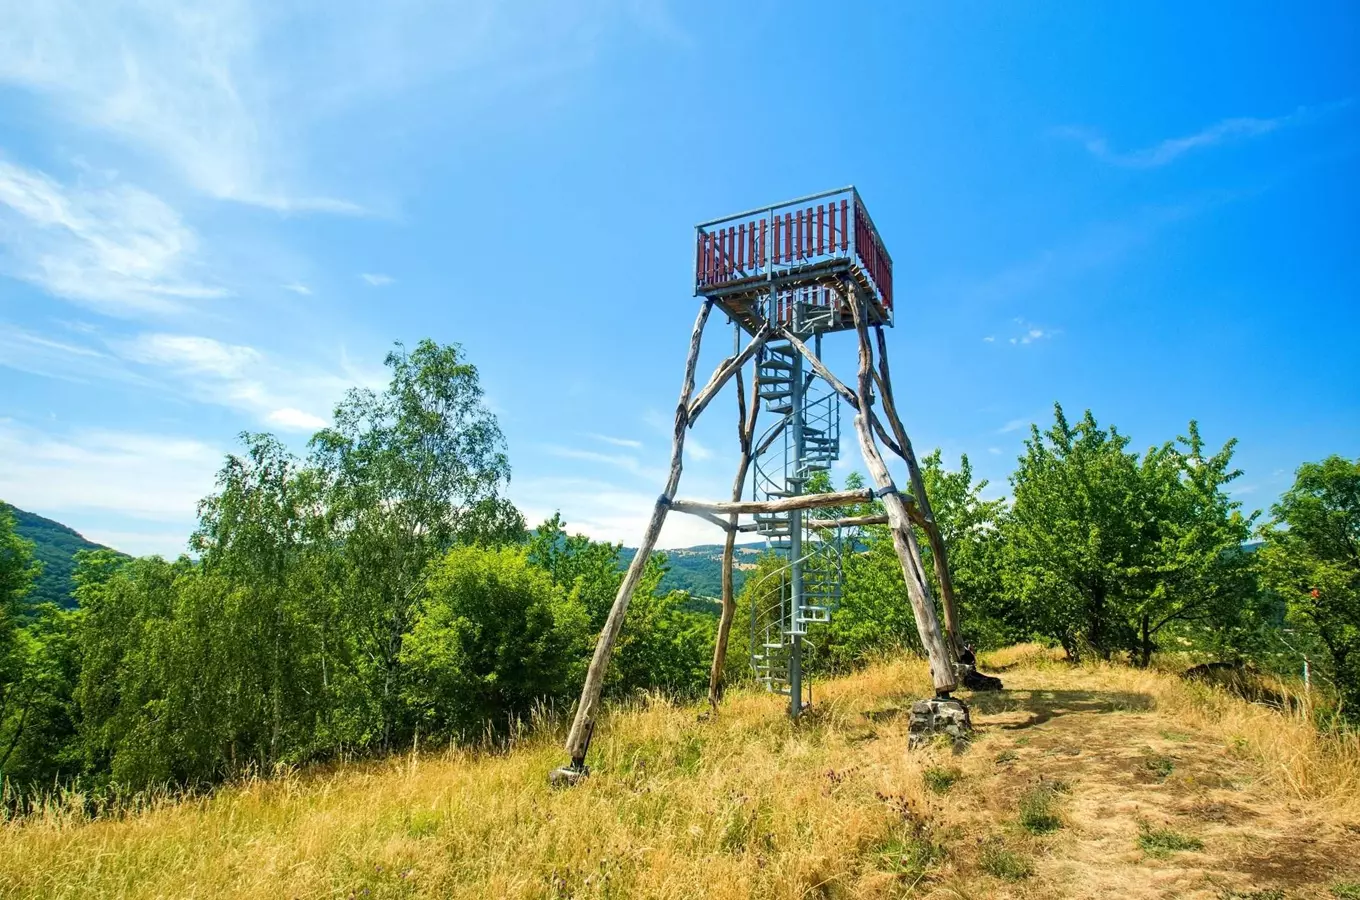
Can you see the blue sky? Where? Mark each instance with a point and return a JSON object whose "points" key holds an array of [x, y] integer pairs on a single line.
{"points": [[216, 219]]}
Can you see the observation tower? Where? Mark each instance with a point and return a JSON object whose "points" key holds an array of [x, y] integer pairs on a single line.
{"points": [[789, 276]]}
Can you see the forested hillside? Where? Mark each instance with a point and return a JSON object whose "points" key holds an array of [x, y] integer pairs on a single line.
{"points": [[698, 569], [55, 546]]}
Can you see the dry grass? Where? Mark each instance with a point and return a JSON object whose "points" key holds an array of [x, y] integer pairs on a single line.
{"points": [[744, 803]]}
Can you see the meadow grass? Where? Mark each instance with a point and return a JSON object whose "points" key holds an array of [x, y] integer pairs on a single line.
{"points": [[685, 803]]}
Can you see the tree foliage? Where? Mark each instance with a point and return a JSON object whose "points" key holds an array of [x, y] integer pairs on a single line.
{"points": [[494, 635], [1105, 551], [1312, 559]]}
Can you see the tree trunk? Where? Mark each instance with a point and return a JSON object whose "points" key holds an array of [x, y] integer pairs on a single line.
{"points": [[746, 427], [938, 554], [904, 540]]}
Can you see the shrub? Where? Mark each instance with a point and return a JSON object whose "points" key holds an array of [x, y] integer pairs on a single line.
{"points": [[493, 636]]}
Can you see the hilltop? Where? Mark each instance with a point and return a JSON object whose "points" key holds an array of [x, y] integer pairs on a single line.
{"points": [[55, 546], [1098, 781]]}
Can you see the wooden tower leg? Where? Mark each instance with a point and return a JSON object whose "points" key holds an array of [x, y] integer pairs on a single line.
{"points": [[904, 540], [581, 727], [746, 427], [686, 411], [918, 488]]}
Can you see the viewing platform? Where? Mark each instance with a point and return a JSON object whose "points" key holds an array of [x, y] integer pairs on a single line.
{"points": [[798, 255]]}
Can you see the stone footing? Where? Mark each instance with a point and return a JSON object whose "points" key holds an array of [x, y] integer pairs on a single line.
{"points": [[568, 775], [939, 716]]}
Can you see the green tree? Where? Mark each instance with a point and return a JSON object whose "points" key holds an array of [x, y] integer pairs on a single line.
{"points": [[255, 544], [1199, 582], [662, 645], [1076, 534], [150, 702], [1311, 558], [21, 655], [493, 636], [969, 526], [407, 474], [592, 570]]}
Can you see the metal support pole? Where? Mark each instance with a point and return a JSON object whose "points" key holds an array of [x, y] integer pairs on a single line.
{"points": [[796, 485]]}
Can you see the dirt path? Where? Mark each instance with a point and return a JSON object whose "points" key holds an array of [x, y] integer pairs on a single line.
{"points": [[1117, 770]]}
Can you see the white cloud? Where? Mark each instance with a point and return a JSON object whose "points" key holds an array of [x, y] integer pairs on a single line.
{"points": [[295, 419], [1013, 425], [63, 358], [232, 94], [88, 476], [285, 395], [188, 85], [616, 441], [374, 279], [1167, 151], [989, 339], [995, 451], [615, 462], [298, 288], [281, 392], [1029, 333], [697, 450], [607, 513], [116, 247]]}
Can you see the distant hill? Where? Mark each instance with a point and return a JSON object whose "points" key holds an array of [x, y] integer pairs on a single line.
{"points": [[55, 546], [699, 569]]}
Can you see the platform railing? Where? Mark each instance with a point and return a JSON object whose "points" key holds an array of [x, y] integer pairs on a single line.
{"points": [[802, 234]]}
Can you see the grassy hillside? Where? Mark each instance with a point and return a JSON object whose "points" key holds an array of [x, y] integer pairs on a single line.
{"points": [[55, 546], [1090, 782]]}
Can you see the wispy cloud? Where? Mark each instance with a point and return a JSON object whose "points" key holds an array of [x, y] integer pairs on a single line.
{"points": [[1164, 152], [696, 449], [614, 461], [374, 279], [605, 512], [616, 441], [1014, 425], [1071, 258], [116, 247], [298, 288], [1029, 333], [189, 87], [232, 94], [85, 476], [239, 377], [282, 393]]}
